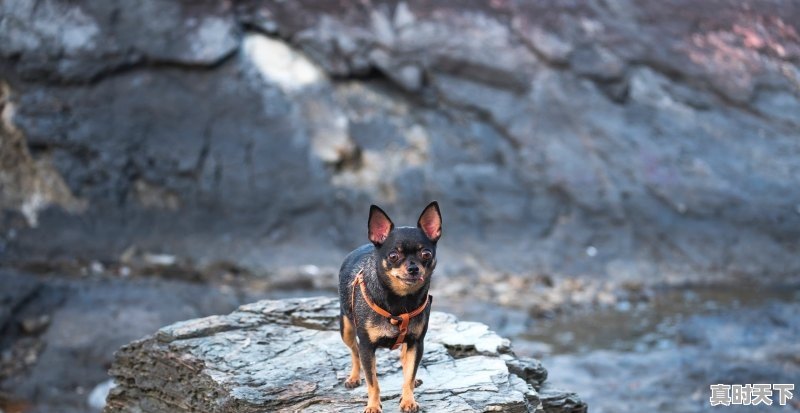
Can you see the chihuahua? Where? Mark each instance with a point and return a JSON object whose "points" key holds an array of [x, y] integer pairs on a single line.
{"points": [[383, 291]]}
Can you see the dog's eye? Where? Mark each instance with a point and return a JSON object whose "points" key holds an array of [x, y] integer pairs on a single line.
{"points": [[393, 256], [426, 255]]}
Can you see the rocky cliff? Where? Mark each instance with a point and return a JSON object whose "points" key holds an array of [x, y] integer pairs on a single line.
{"points": [[649, 138], [288, 356]]}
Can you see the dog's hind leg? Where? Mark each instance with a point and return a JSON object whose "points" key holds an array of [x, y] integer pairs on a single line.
{"points": [[348, 332]]}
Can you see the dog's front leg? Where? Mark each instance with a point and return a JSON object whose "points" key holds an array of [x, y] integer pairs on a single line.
{"points": [[410, 358], [366, 351], [348, 333]]}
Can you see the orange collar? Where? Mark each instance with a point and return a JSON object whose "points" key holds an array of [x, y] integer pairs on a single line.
{"points": [[403, 319]]}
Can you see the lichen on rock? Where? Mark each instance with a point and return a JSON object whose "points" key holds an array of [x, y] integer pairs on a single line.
{"points": [[27, 185]]}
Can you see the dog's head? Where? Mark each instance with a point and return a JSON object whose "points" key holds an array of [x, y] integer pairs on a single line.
{"points": [[407, 255]]}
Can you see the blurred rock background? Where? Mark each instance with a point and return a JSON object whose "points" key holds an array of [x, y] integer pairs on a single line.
{"points": [[586, 154]]}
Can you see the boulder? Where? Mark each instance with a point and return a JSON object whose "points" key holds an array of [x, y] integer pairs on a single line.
{"points": [[286, 355]]}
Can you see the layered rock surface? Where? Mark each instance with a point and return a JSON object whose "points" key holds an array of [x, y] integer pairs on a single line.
{"points": [[649, 138], [287, 355]]}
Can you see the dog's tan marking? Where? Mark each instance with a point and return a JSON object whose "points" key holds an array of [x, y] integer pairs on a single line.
{"points": [[415, 329], [376, 332], [349, 337]]}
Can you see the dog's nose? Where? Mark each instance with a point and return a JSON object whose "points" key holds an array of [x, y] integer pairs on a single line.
{"points": [[413, 269]]}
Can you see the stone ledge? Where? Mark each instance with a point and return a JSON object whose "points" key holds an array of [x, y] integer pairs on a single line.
{"points": [[286, 355]]}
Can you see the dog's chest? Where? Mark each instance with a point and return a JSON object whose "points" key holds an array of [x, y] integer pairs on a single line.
{"points": [[379, 328]]}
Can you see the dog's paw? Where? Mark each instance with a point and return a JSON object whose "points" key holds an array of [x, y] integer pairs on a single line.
{"points": [[352, 383], [417, 383], [409, 406], [372, 409]]}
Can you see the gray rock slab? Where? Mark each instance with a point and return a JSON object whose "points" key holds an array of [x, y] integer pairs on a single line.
{"points": [[287, 355]]}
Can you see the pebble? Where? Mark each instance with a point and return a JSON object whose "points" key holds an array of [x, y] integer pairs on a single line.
{"points": [[35, 325]]}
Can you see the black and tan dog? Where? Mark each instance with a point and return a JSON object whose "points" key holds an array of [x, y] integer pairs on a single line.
{"points": [[383, 291]]}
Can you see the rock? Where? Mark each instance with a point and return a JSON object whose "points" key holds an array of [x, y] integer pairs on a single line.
{"points": [[20, 355], [530, 370], [72, 353], [78, 42], [97, 397], [597, 63], [554, 400], [27, 185], [545, 127], [35, 325], [287, 356], [550, 46], [16, 290]]}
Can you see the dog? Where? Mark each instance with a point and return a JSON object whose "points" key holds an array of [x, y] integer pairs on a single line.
{"points": [[383, 292]]}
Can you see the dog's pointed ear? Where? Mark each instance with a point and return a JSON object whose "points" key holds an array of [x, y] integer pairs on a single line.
{"points": [[430, 221], [379, 225]]}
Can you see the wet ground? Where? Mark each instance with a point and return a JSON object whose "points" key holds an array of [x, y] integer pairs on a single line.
{"points": [[657, 355], [661, 356]]}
